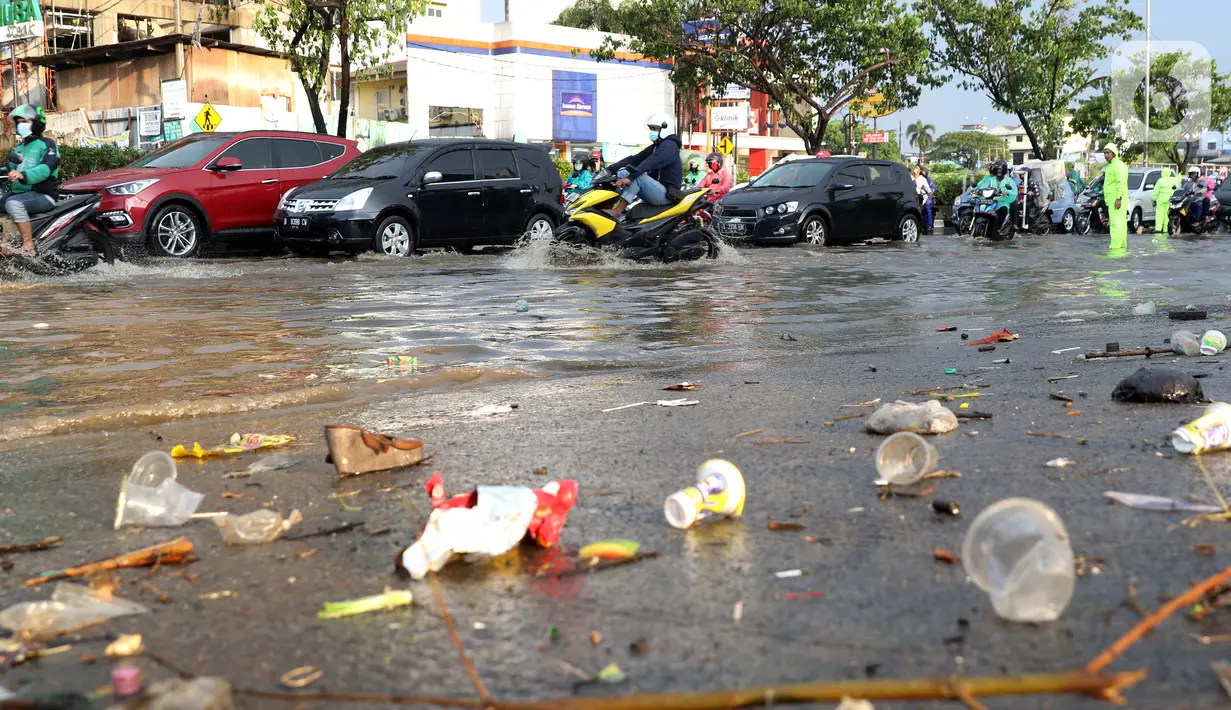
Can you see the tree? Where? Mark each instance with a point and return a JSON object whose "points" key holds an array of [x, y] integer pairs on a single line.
{"points": [[598, 15], [811, 59], [969, 148], [1169, 75], [1033, 59], [306, 32], [921, 135]]}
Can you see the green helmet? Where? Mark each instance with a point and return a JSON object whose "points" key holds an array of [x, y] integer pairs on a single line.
{"points": [[29, 113]]}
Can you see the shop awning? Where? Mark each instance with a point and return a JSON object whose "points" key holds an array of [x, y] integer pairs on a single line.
{"points": [[132, 50]]}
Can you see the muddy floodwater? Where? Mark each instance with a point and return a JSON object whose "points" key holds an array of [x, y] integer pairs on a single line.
{"points": [[179, 333]]}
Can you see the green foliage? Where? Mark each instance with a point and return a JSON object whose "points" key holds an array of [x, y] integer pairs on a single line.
{"points": [[1094, 115], [921, 135], [1032, 59], [741, 176], [967, 147], [304, 32], [598, 15], [76, 161], [812, 59], [563, 167], [944, 169], [949, 186]]}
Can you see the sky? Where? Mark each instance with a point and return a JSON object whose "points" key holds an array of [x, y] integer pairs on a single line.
{"points": [[1208, 23]]}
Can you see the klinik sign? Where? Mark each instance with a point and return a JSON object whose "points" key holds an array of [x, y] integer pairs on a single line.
{"points": [[20, 20]]}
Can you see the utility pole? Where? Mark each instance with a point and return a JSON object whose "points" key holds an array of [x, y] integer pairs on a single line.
{"points": [[1145, 152], [874, 130], [179, 47]]}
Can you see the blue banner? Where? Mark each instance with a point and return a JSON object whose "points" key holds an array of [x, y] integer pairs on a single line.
{"points": [[575, 117]]}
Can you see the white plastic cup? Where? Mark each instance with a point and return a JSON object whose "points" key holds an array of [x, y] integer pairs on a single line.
{"points": [[150, 495], [1184, 342], [905, 458], [1018, 551], [1213, 342], [720, 490]]}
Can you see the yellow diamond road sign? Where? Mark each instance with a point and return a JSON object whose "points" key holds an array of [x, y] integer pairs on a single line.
{"points": [[725, 146], [208, 119]]}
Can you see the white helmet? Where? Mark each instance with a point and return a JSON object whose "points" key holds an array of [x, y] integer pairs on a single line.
{"points": [[661, 122]]}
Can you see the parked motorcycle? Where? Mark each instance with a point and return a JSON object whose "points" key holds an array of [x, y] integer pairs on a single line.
{"points": [[1093, 214], [676, 232], [1181, 221], [68, 239]]}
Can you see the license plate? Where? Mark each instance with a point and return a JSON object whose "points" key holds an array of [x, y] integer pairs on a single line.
{"points": [[296, 223], [734, 229]]}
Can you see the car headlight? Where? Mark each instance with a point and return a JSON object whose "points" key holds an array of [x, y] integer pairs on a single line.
{"points": [[282, 202], [354, 201], [130, 188], [769, 210], [788, 207]]}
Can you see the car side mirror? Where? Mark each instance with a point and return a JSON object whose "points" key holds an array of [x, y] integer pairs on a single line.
{"points": [[226, 165], [841, 186], [432, 178]]}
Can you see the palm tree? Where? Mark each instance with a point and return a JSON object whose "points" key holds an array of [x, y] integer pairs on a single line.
{"points": [[922, 135]]}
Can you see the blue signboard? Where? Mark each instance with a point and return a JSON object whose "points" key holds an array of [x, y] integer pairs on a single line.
{"points": [[576, 106]]}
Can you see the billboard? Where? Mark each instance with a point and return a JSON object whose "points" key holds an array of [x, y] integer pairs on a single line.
{"points": [[575, 113], [729, 118]]}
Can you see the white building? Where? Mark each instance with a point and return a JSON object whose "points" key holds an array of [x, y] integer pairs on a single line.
{"points": [[498, 69]]}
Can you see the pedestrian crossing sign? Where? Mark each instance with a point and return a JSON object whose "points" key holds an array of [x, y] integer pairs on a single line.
{"points": [[208, 119]]}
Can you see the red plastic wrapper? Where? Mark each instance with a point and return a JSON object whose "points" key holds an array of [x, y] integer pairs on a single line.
{"points": [[555, 499], [1003, 336]]}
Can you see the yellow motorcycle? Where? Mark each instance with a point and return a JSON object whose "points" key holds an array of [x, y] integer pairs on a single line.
{"points": [[675, 232]]}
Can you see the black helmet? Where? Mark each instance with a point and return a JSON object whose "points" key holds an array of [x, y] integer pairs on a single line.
{"points": [[713, 158], [1000, 168], [33, 114]]}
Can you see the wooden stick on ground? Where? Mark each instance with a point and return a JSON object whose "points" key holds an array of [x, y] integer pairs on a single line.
{"points": [[174, 552], [1146, 625], [44, 544], [457, 643]]}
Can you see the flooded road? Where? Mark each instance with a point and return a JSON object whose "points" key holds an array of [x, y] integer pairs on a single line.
{"points": [[155, 332]]}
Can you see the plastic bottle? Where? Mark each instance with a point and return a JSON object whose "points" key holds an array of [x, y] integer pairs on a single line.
{"points": [[720, 490], [905, 458], [1018, 551], [1184, 342], [1210, 432]]}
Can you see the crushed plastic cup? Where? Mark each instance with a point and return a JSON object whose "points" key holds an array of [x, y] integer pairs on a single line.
{"points": [[71, 607], [1144, 309], [720, 490], [930, 417], [150, 495], [1018, 551], [1210, 432], [905, 458], [1184, 342], [256, 528], [1213, 342]]}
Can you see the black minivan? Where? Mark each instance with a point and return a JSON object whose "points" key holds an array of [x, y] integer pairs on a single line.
{"points": [[822, 201], [428, 193]]}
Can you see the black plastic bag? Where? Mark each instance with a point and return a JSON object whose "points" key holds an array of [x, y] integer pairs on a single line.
{"points": [[1157, 385]]}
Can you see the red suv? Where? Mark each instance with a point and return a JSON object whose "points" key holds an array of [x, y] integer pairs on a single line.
{"points": [[222, 184]]}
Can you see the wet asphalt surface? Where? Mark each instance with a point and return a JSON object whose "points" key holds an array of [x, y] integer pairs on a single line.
{"points": [[886, 608]]}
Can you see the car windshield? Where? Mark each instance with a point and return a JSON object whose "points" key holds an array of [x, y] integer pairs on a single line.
{"points": [[1134, 180], [385, 163], [793, 174], [183, 153]]}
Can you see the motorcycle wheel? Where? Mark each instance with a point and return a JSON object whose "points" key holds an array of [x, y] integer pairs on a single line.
{"points": [[1083, 223], [572, 235], [1041, 226], [1174, 228], [690, 245], [964, 224]]}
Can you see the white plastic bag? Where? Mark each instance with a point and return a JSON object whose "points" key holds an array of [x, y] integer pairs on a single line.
{"points": [[71, 607], [927, 418], [496, 523]]}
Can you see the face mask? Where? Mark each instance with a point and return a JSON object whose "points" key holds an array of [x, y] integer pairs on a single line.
{"points": [[654, 136], [577, 167], [24, 129]]}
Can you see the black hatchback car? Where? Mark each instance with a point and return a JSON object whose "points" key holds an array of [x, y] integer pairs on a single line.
{"points": [[430, 193], [822, 201]]}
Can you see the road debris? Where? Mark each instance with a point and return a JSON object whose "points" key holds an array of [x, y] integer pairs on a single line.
{"points": [[1161, 385], [682, 387], [683, 402], [125, 681], [1144, 309], [786, 527], [1143, 501], [947, 329], [214, 596], [930, 417], [904, 459], [301, 677], [489, 520], [1060, 463], [174, 552], [611, 675], [1018, 551], [719, 491], [150, 495], [1188, 313], [71, 607], [255, 528], [491, 410], [1065, 350], [789, 573], [125, 646], [391, 599], [786, 335], [609, 550], [596, 638], [754, 432], [355, 450], [943, 555], [1209, 432], [402, 363], [1213, 343], [45, 544], [237, 444], [869, 403], [797, 596], [1003, 336], [947, 507]]}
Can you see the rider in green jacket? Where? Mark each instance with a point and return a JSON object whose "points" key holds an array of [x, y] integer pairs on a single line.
{"points": [[33, 173]]}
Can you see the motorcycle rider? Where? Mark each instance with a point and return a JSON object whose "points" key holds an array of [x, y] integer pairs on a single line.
{"points": [[581, 177], [1201, 196], [694, 174], [649, 174], [1166, 186], [1115, 196], [718, 179], [33, 174], [998, 179]]}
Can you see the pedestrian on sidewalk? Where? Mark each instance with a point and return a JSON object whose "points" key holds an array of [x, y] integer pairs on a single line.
{"points": [[924, 192], [1115, 194], [929, 216]]}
